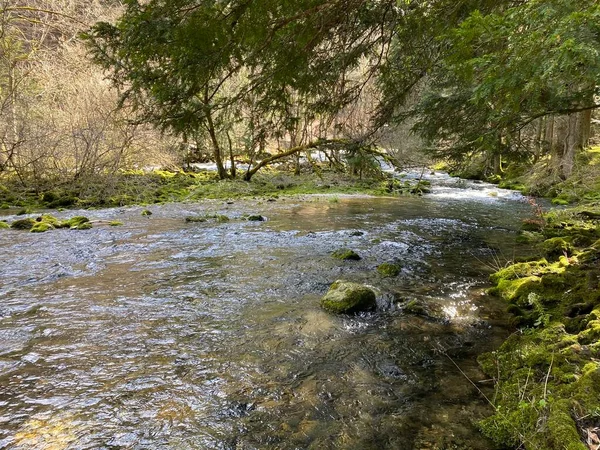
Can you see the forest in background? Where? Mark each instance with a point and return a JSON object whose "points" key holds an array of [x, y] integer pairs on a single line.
{"points": [[494, 90]]}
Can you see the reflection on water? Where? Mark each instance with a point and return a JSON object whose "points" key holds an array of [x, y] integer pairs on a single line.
{"points": [[168, 335]]}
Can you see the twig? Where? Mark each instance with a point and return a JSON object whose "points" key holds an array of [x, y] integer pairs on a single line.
{"points": [[443, 352], [548, 376]]}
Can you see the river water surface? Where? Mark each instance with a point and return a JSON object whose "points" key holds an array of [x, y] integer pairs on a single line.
{"points": [[163, 334]]}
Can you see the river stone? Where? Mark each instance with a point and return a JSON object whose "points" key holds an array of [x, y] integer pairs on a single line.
{"points": [[345, 254], [346, 297]]}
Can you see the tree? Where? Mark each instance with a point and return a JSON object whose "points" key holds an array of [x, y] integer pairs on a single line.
{"points": [[502, 71], [176, 60]]}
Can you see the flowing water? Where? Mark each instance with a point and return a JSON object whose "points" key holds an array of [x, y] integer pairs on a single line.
{"points": [[163, 334]]}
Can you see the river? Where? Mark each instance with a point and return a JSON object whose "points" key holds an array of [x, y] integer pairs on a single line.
{"points": [[163, 334]]}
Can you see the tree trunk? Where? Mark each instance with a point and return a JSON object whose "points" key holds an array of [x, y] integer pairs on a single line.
{"points": [[231, 157], [570, 135], [216, 147]]}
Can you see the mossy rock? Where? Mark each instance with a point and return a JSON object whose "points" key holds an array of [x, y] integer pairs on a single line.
{"points": [[83, 226], [115, 223], [532, 225], [41, 227], [389, 270], [519, 270], [560, 202], [76, 223], [345, 297], [146, 212], [222, 218], [50, 220], [195, 219], [23, 224], [4, 206], [345, 254], [556, 247], [529, 237], [256, 218], [4, 225], [54, 200], [415, 307]]}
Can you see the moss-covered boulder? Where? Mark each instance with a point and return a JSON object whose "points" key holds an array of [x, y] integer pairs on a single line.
{"points": [[23, 224], [83, 226], [345, 254], [256, 218], [115, 223], [195, 219], [146, 212], [415, 307], [4, 225], [77, 223], [389, 270], [41, 227], [345, 297], [50, 220], [556, 247], [520, 270]]}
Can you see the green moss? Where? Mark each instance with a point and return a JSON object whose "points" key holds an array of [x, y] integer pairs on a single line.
{"points": [[222, 218], [83, 226], [41, 227], [75, 223], [4, 225], [414, 307], [345, 297], [256, 218], [346, 254], [195, 219], [560, 202], [115, 223], [557, 246], [4, 206], [146, 212], [548, 374], [389, 269], [23, 224], [529, 237], [520, 270]]}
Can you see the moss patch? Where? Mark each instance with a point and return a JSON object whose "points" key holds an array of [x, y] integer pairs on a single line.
{"points": [[389, 270], [345, 297], [23, 224], [547, 375], [346, 254]]}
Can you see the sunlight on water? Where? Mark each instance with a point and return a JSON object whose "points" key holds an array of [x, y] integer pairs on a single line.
{"points": [[163, 334]]}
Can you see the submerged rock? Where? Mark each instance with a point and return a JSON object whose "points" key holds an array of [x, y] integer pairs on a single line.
{"points": [[389, 270], [256, 218], [346, 254], [347, 297]]}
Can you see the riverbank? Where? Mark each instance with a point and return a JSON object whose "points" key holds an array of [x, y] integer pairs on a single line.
{"points": [[547, 373], [159, 186]]}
